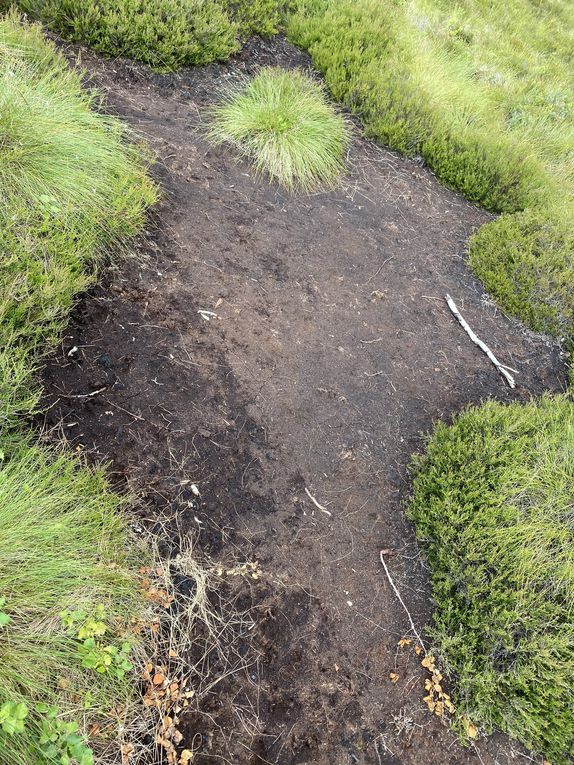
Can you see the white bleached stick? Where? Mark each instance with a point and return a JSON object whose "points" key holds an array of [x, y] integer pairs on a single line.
{"points": [[401, 601], [477, 341], [317, 505]]}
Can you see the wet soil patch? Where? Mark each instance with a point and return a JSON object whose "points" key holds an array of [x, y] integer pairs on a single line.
{"points": [[328, 351]]}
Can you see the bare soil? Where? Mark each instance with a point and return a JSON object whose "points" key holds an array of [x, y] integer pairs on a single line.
{"points": [[330, 353]]}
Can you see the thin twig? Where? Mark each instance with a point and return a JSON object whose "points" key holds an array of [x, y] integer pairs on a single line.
{"points": [[84, 395], [317, 505], [477, 341], [401, 601]]}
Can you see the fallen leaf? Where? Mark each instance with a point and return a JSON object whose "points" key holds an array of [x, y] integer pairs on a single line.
{"points": [[158, 678], [404, 641], [185, 757], [470, 728], [394, 677]]}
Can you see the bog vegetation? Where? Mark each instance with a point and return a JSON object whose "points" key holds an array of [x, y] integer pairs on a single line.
{"points": [[166, 34], [73, 189], [493, 503], [73, 186], [482, 91], [283, 122]]}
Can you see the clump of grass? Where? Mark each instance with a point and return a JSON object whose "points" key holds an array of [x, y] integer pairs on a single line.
{"points": [[469, 87], [62, 546], [73, 189], [166, 34], [282, 121], [493, 503]]}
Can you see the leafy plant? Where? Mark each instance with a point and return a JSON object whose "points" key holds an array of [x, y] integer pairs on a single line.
{"points": [[12, 716], [493, 503], [166, 34], [526, 261], [81, 625], [282, 121], [60, 743], [106, 658]]}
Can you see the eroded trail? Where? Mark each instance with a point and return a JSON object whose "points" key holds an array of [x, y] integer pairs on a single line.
{"points": [[328, 351]]}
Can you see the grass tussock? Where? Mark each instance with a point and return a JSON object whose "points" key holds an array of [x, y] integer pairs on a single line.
{"points": [[62, 549], [283, 122], [166, 34], [482, 91], [73, 189], [493, 502]]}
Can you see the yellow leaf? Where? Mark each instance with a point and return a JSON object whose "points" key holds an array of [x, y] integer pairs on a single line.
{"points": [[430, 702], [470, 728], [394, 677], [404, 641], [185, 757], [428, 663]]}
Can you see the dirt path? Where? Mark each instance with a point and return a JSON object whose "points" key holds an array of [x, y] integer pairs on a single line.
{"points": [[331, 351]]}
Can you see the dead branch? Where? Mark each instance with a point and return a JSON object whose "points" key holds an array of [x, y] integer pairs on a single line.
{"points": [[477, 341]]}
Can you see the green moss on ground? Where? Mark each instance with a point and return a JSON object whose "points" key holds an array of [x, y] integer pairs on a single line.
{"points": [[493, 503]]}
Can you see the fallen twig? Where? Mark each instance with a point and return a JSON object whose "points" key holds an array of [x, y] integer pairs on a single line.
{"points": [[317, 505], [401, 601], [477, 341], [84, 395], [207, 315]]}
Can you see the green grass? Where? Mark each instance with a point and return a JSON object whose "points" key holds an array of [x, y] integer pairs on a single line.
{"points": [[493, 503], [73, 189], [62, 545], [482, 90], [73, 192], [284, 123], [166, 34]]}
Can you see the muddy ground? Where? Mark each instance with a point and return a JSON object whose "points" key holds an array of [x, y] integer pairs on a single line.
{"points": [[330, 352]]}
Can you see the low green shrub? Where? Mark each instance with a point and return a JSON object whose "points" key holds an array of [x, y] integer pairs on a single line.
{"points": [[283, 121], [526, 261], [62, 545], [73, 189], [371, 63], [257, 17], [493, 503], [166, 34]]}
